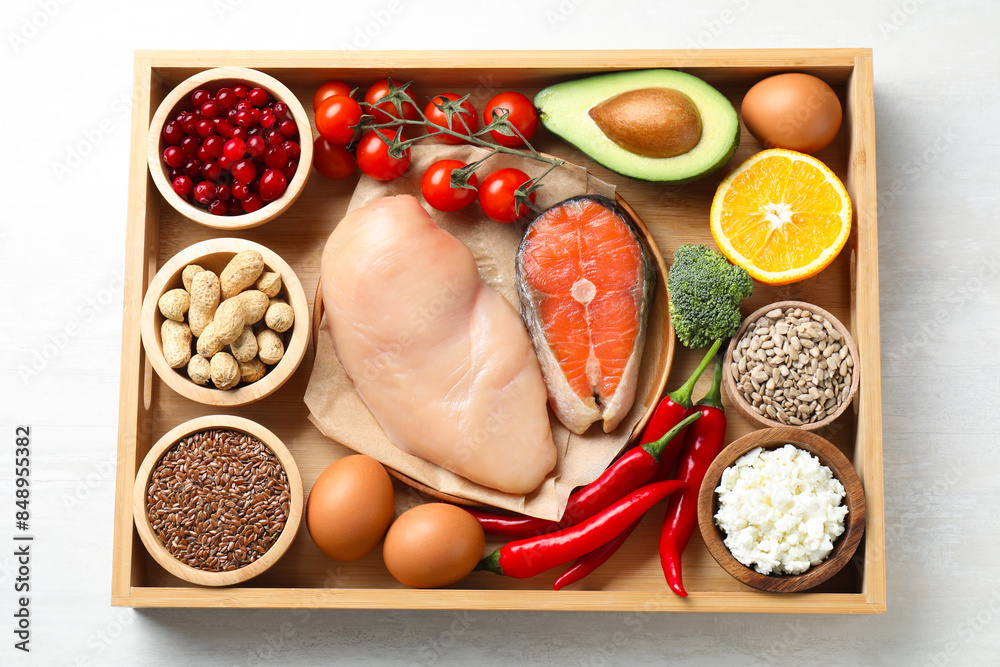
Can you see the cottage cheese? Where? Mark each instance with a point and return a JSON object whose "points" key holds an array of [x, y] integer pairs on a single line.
{"points": [[781, 510]]}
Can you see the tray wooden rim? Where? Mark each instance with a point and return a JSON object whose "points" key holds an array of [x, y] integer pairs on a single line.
{"points": [[850, 68]]}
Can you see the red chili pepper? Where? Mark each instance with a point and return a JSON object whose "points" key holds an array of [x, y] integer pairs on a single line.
{"points": [[587, 563], [703, 443], [673, 408], [534, 555], [632, 470]]}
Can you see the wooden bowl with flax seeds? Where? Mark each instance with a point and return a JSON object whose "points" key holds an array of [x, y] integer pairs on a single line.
{"points": [[218, 500]]}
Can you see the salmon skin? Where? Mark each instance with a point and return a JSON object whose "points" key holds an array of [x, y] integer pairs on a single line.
{"points": [[585, 282]]}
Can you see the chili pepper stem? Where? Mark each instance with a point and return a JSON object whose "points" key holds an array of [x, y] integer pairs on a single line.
{"points": [[655, 448], [713, 398], [682, 395], [490, 563]]}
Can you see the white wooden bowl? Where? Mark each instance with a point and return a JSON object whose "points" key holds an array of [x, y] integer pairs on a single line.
{"points": [[178, 100], [213, 255]]}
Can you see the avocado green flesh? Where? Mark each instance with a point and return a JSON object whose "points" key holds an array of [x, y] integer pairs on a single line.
{"points": [[564, 109]]}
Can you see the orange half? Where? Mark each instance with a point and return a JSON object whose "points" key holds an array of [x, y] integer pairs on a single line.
{"points": [[781, 215]]}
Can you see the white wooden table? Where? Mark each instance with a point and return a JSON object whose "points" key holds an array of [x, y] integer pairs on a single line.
{"points": [[66, 91]]}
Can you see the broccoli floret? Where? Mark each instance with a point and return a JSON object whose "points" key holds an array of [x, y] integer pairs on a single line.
{"points": [[705, 295]]}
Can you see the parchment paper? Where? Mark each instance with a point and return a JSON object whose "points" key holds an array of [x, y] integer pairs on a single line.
{"points": [[339, 412]]}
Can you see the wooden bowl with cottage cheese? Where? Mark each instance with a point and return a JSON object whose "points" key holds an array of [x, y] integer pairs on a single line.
{"points": [[794, 531]]}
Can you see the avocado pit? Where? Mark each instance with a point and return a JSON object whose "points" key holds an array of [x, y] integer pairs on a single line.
{"points": [[652, 122]]}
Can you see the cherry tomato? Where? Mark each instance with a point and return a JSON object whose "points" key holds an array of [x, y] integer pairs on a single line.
{"points": [[329, 89], [496, 195], [332, 160], [374, 159], [438, 117], [386, 111], [521, 114], [436, 186], [336, 118]]}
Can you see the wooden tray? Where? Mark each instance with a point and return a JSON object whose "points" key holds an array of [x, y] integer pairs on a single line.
{"points": [[631, 580]]}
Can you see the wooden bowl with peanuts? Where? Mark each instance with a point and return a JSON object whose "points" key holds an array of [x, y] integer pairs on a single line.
{"points": [[225, 322]]}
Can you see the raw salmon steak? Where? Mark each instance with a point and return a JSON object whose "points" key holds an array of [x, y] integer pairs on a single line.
{"points": [[585, 279], [441, 359]]}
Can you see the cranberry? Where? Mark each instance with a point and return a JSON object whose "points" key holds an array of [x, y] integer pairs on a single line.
{"points": [[244, 171], [255, 114], [288, 128], [252, 203], [200, 96], [241, 90], [222, 191], [203, 154], [218, 207], [224, 162], [226, 98], [231, 116], [172, 132], [289, 169], [268, 120], [211, 171], [275, 157], [189, 145], [213, 144], [222, 127], [280, 110], [258, 97], [293, 150], [204, 192], [204, 127], [210, 109], [244, 105], [240, 190], [182, 185], [244, 118], [173, 156], [192, 168], [176, 173], [272, 185], [189, 123], [256, 147], [234, 149], [274, 138], [235, 206], [240, 133]]}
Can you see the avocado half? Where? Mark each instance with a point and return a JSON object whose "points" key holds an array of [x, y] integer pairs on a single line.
{"points": [[565, 109]]}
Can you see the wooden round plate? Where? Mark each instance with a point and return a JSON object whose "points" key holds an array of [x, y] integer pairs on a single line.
{"points": [[152, 541], [828, 455], [659, 336]]}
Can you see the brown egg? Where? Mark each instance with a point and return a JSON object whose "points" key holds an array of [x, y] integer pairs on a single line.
{"points": [[433, 545], [795, 111], [350, 507]]}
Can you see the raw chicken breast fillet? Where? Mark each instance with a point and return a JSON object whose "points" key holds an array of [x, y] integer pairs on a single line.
{"points": [[442, 360]]}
